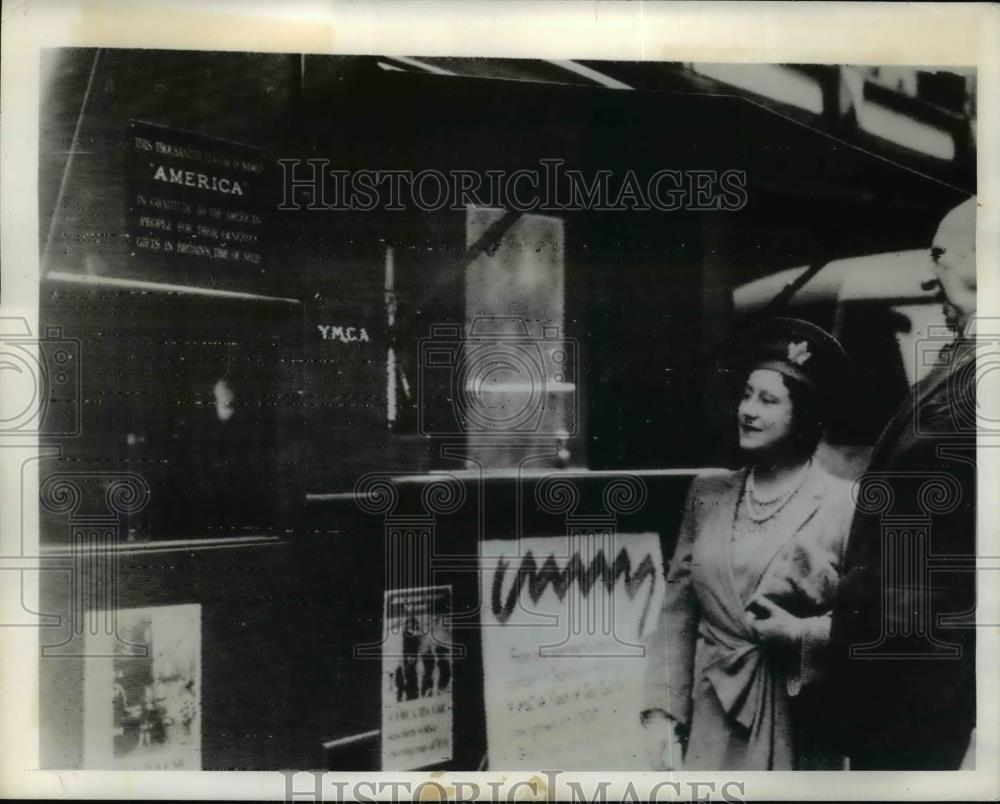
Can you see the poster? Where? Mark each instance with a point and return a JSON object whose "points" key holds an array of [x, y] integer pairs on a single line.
{"points": [[417, 677], [563, 620], [142, 707]]}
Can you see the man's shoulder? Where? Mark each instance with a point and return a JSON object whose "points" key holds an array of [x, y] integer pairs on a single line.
{"points": [[945, 410]]}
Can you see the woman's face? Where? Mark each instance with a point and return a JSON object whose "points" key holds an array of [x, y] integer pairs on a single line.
{"points": [[765, 414]]}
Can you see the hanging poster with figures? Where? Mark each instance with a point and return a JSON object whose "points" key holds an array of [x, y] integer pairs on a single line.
{"points": [[417, 674], [142, 704], [564, 620]]}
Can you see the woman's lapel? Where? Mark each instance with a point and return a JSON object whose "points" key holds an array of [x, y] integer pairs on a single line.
{"points": [[788, 523], [719, 525]]}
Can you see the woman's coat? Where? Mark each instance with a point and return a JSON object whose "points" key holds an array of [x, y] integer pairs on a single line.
{"points": [[706, 666]]}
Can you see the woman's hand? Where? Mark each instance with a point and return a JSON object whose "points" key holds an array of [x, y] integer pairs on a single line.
{"points": [[663, 746], [772, 623]]}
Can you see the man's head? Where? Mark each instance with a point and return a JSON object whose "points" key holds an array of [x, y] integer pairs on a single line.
{"points": [[953, 253], [225, 399]]}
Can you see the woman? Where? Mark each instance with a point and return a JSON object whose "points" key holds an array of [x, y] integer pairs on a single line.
{"points": [[750, 587]]}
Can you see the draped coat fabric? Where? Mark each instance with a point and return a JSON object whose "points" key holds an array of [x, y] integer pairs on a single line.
{"points": [[908, 701], [738, 697]]}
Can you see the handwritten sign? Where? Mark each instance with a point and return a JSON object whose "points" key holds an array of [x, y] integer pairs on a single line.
{"points": [[193, 197], [417, 678], [563, 623]]}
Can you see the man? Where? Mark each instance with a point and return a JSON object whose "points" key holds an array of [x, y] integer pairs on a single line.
{"points": [[903, 634], [231, 462]]}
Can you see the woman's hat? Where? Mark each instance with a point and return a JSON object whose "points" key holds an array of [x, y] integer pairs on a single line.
{"points": [[800, 350]]}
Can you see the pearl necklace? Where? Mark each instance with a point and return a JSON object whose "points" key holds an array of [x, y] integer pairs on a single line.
{"points": [[779, 502]]}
